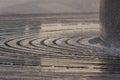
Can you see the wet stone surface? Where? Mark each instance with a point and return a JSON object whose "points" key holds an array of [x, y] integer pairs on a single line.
{"points": [[57, 51]]}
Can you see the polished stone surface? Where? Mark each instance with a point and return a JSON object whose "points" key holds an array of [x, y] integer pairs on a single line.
{"points": [[57, 51]]}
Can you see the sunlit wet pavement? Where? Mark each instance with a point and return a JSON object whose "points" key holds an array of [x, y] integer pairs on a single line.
{"points": [[56, 51]]}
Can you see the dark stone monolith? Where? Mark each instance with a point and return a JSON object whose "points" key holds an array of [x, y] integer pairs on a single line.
{"points": [[110, 21]]}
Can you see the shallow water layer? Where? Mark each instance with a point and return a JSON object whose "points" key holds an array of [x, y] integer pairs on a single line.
{"points": [[56, 51]]}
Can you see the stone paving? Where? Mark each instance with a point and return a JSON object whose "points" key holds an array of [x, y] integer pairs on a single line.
{"points": [[57, 51]]}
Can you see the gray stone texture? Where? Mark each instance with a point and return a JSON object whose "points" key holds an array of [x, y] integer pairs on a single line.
{"points": [[110, 20]]}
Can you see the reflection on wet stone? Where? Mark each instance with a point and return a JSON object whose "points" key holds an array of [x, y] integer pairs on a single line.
{"points": [[57, 51]]}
